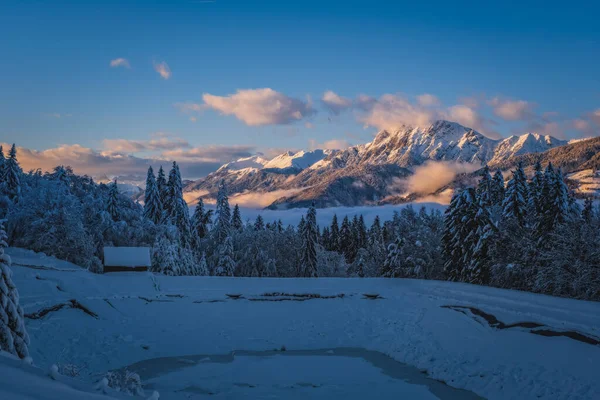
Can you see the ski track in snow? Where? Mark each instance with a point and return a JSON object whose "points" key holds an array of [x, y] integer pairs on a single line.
{"points": [[408, 324]]}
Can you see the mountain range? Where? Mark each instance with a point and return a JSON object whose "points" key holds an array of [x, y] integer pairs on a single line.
{"points": [[407, 164]]}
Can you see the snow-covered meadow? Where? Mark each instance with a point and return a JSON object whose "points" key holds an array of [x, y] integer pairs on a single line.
{"points": [[187, 338]]}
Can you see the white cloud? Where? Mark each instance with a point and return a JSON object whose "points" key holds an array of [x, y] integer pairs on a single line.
{"points": [[595, 116], [260, 199], [256, 107], [512, 110], [120, 62], [335, 103], [392, 111], [163, 69], [334, 144], [213, 153], [428, 100], [434, 175], [160, 142]]}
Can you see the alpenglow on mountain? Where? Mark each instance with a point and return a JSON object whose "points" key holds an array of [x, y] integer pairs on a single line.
{"points": [[367, 174]]}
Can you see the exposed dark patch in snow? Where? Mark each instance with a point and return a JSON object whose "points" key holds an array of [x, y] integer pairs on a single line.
{"points": [[178, 296], [147, 300], [372, 296], [69, 304], [533, 327]]}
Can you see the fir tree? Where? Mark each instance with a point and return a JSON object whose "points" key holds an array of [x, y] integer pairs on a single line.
{"points": [[236, 219], [497, 188], [392, 260], [459, 239], [485, 188], [308, 259], [326, 238], [112, 205], [152, 204], [2, 165], [203, 266], [12, 175], [225, 264], [259, 223], [13, 335], [536, 187], [162, 186], [223, 218], [334, 243], [178, 212], [375, 232], [588, 209], [361, 233], [301, 226], [346, 240], [201, 220], [515, 200]]}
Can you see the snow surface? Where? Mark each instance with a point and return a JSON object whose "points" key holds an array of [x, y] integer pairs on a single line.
{"points": [[127, 256], [302, 159], [143, 317]]}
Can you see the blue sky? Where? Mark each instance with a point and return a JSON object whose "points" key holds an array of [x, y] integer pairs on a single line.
{"points": [[501, 69]]}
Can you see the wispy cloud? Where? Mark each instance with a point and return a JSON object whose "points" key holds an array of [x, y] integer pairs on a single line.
{"points": [[120, 62], [160, 142], [163, 69], [57, 115], [334, 144], [512, 110], [428, 100], [256, 107], [335, 103]]}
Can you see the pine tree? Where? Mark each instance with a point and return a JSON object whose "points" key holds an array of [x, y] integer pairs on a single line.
{"points": [[225, 264], [2, 165], [259, 224], [536, 187], [163, 189], [392, 260], [236, 219], [362, 235], [346, 240], [326, 238], [13, 335], [560, 196], [478, 270], [334, 234], [223, 218], [203, 266], [112, 205], [497, 189], [310, 242], [178, 212], [12, 175], [588, 209], [460, 238], [375, 232], [301, 226], [515, 200], [152, 204], [201, 220], [485, 188]]}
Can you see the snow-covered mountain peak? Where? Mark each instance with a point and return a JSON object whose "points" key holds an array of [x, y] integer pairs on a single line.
{"points": [[255, 162], [526, 143], [300, 160]]}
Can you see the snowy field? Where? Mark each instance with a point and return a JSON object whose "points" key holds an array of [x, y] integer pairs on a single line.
{"points": [[188, 339]]}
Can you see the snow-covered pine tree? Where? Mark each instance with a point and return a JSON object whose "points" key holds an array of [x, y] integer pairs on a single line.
{"points": [[536, 187], [112, 201], [560, 194], [515, 200], [152, 204], [222, 226], [165, 257], [163, 188], [12, 175], [203, 266], [13, 335], [301, 226], [259, 223], [390, 265], [334, 243], [485, 188], [201, 220], [497, 188], [178, 212], [362, 235], [459, 239], [376, 232], [588, 209], [326, 238], [236, 220], [310, 242], [2, 165], [478, 269], [225, 265], [346, 241]]}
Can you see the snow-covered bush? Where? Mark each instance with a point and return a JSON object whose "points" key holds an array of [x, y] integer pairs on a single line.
{"points": [[125, 381]]}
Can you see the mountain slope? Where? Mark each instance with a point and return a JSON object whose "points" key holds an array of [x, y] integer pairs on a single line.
{"points": [[368, 173]]}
